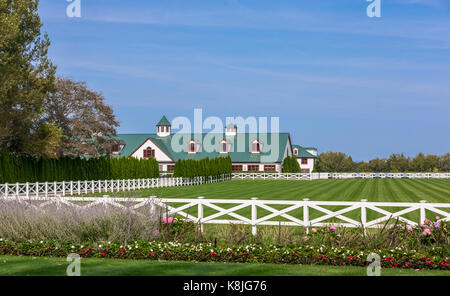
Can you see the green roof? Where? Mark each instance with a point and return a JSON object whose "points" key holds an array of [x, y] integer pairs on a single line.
{"points": [[163, 122], [302, 153], [134, 141]]}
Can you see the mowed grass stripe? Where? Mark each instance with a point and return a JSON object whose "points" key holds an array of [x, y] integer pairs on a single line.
{"points": [[435, 188]]}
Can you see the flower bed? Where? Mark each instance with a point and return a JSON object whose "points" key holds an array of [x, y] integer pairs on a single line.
{"points": [[434, 258]]}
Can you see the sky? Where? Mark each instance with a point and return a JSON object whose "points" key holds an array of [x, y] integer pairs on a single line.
{"points": [[337, 79]]}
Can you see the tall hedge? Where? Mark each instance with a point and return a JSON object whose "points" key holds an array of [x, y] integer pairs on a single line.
{"points": [[203, 167], [291, 165], [27, 169]]}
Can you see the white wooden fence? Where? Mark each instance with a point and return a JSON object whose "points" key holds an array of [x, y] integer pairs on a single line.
{"points": [[87, 187], [183, 207], [317, 176]]}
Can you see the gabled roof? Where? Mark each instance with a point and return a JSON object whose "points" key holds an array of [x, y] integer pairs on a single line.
{"points": [[163, 122], [302, 153], [133, 141]]}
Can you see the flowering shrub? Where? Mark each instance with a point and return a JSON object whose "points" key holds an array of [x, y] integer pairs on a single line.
{"points": [[305, 254]]}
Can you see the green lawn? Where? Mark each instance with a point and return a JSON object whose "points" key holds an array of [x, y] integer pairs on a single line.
{"points": [[39, 266], [386, 190]]}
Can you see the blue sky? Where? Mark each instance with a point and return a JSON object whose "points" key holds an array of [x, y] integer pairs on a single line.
{"points": [[338, 80]]}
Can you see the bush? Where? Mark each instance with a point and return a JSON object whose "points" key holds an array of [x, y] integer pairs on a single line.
{"points": [[203, 167]]}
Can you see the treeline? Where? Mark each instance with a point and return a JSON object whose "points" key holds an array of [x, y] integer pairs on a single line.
{"points": [[290, 165], [396, 163], [29, 169], [203, 167]]}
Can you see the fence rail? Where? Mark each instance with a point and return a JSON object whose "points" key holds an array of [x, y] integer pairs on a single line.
{"points": [[87, 187], [182, 207], [317, 176]]}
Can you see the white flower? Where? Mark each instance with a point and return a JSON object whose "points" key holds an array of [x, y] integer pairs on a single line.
{"points": [[100, 246], [41, 242], [73, 247]]}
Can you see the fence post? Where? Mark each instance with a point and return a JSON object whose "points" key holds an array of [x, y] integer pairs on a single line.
{"points": [[200, 212], [254, 215], [64, 188], [27, 189], [422, 211], [37, 189], [71, 187], [46, 189], [17, 189], [306, 214], [363, 215]]}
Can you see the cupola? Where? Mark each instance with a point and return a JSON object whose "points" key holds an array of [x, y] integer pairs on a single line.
{"points": [[163, 127]]}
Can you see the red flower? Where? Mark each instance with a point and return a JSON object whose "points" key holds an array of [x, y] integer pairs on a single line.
{"points": [[48, 247], [428, 262], [103, 254], [406, 264], [4, 248], [250, 257], [152, 253]]}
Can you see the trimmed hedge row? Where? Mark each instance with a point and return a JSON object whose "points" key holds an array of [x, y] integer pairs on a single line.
{"points": [[28, 169], [203, 167], [393, 258]]}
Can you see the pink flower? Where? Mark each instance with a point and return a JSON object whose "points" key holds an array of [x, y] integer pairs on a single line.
{"points": [[438, 218], [426, 232], [338, 235], [313, 230], [427, 222], [410, 229], [305, 238], [167, 220], [332, 228]]}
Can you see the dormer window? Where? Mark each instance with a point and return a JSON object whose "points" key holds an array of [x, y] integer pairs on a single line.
{"points": [[192, 147], [256, 147], [115, 149], [295, 151], [224, 147], [149, 152]]}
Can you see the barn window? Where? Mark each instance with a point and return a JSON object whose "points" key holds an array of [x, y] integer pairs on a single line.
{"points": [[256, 147], [149, 152], [237, 168], [253, 168], [223, 147], [192, 147], [269, 168], [304, 161], [115, 148]]}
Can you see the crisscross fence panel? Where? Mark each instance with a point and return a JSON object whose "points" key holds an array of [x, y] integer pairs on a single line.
{"points": [[318, 176], [385, 210], [86, 187], [255, 212]]}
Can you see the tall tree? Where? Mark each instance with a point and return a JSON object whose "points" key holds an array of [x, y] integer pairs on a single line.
{"points": [[26, 79], [88, 124], [335, 162]]}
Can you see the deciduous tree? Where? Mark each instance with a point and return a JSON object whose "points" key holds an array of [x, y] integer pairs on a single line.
{"points": [[26, 79], [88, 124]]}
